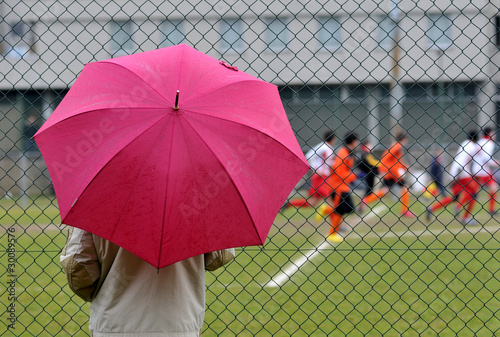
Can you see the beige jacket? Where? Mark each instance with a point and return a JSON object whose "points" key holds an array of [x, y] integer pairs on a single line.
{"points": [[129, 297]]}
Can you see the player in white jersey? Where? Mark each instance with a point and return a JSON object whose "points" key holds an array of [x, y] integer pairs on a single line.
{"points": [[485, 166], [464, 185], [320, 158]]}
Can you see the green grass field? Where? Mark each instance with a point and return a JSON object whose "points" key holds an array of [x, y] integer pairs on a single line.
{"points": [[388, 278]]}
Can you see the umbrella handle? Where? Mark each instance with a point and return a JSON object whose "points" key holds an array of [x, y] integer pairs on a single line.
{"points": [[176, 106]]}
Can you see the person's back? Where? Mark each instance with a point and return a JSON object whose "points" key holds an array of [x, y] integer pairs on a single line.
{"points": [[129, 297], [368, 163], [126, 301]]}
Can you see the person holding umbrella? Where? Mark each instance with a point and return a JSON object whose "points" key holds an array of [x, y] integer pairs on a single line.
{"points": [[131, 297], [146, 223]]}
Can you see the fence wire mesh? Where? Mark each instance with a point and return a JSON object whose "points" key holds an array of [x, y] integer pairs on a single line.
{"points": [[417, 257]]}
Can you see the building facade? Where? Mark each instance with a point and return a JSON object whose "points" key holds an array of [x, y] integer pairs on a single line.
{"points": [[368, 66]]}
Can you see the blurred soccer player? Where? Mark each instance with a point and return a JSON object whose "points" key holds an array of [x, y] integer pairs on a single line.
{"points": [[393, 170], [340, 180], [464, 185], [436, 172], [320, 159], [485, 164], [368, 167]]}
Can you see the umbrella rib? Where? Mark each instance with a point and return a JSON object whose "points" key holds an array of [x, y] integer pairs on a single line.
{"points": [[257, 80], [107, 163], [230, 177], [248, 126], [165, 202], [95, 110]]}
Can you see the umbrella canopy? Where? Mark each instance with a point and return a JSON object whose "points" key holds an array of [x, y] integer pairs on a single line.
{"points": [[170, 154]]}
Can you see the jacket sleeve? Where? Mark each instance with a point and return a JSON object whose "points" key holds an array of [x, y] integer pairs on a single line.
{"points": [[80, 263], [215, 260]]}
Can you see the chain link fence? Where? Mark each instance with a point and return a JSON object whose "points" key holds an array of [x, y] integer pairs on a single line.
{"points": [[376, 68]]}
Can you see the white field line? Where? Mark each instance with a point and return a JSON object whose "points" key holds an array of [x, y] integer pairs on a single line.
{"points": [[286, 274], [282, 277]]}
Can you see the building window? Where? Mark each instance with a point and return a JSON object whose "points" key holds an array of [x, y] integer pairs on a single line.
{"points": [[121, 38], [467, 89], [231, 32], [386, 32], [356, 93], [329, 93], [329, 33], [307, 93], [439, 32], [277, 35], [384, 92], [418, 91], [172, 33], [440, 91], [20, 40], [287, 94]]}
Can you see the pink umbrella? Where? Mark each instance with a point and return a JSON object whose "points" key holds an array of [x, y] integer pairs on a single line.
{"points": [[170, 154]]}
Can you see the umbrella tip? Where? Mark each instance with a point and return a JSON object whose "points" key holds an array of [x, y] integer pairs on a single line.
{"points": [[176, 106]]}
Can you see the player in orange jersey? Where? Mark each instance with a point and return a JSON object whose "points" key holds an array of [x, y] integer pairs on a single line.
{"points": [[393, 169], [340, 180]]}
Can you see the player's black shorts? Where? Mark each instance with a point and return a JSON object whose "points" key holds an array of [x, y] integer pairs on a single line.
{"points": [[345, 205], [391, 182]]}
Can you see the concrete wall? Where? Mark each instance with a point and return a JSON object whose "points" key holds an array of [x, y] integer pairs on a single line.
{"points": [[70, 34]]}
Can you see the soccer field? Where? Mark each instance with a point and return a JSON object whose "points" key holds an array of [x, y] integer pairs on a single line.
{"points": [[388, 278]]}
